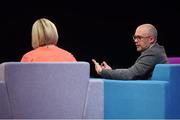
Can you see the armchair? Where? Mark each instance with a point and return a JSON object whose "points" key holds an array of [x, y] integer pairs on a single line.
{"points": [[150, 99], [143, 99], [174, 60], [43, 90]]}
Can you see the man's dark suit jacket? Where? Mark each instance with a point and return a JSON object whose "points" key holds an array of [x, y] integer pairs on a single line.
{"points": [[142, 68]]}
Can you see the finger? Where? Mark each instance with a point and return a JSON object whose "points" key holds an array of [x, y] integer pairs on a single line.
{"points": [[94, 61], [105, 64], [102, 64]]}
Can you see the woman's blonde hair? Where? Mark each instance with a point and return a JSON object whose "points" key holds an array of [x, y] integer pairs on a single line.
{"points": [[44, 32]]}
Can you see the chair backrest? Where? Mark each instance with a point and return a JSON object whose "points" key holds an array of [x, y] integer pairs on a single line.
{"points": [[174, 60], [166, 72], [46, 90], [161, 72], [170, 73]]}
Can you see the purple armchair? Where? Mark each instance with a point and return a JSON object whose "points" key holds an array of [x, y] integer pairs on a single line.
{"points": [[43, 90], [174, 60]]}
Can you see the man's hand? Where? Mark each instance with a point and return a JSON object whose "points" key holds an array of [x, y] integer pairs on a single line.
{"points": [[99, 67], [104, 65]]}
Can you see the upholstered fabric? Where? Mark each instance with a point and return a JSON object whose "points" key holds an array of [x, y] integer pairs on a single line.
{"points": [[134, 99], [95, 99], [65, 91], [173, 99], [174, 60], [46, 90], [5, 110], [161, 72], [153, 99]]}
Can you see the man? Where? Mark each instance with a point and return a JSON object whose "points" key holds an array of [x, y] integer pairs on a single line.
{"points": [[152, 53]]}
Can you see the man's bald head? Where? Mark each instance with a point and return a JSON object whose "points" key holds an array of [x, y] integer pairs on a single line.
{"points": [[148, 30]]}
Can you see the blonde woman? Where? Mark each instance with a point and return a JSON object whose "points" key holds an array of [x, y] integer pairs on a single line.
{"points": [[44, 40]]}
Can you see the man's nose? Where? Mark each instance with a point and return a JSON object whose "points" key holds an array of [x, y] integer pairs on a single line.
{"points": [[135, 40]]}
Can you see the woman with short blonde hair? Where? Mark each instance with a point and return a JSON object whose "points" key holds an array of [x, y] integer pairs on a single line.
{"points": [[44, 32], [44, 41]]}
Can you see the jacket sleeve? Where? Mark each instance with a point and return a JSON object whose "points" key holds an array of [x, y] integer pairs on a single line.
{"points": [[140, 70]]}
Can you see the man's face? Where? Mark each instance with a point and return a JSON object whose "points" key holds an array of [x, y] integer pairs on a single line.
{"points": [[142, 39]]}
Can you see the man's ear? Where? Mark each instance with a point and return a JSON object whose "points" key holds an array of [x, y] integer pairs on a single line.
{"points": [[152, 40]]}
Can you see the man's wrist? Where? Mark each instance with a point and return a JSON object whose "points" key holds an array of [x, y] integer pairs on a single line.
{"points": [[100, 72]]}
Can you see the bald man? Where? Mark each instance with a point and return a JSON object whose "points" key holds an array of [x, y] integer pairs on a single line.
{"points": [[152, 53]]}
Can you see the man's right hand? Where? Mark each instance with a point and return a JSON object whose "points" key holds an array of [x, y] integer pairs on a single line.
{"points": [[104, 65], [98, 67]]}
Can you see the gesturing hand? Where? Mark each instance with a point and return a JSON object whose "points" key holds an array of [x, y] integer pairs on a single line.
{"points": [[98, 67], [104, 65]]}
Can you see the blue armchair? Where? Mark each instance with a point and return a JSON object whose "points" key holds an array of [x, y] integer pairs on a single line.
{"points": [[143, 99]]}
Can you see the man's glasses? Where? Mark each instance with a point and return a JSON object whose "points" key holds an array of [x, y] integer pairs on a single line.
{"points": [[138, 37]]}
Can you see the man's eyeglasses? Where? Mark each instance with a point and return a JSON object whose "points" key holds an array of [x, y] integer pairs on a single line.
{"points": [[138, 37]]}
